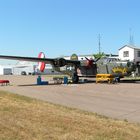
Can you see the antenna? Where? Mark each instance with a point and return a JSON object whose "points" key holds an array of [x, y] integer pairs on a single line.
{"points": [[99, 43], [131, 38]]}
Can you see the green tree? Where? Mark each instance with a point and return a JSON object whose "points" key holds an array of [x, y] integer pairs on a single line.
{"points": [[99, 55]]}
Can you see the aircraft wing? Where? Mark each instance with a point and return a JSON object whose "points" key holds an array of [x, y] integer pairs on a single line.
{"points": [[54, 61]]}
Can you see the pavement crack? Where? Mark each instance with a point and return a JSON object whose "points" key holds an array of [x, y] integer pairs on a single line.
{"points": [[130, 113]]}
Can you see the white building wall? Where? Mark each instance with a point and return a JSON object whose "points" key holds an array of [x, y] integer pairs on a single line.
{"points": [[84, 57], [131, 53], [1, 70], [67, 57], [28, 69]]}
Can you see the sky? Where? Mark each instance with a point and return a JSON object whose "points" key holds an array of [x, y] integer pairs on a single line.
{"points": [[63, 27]]}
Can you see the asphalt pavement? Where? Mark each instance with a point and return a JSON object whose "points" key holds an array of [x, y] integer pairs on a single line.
{"points": [[119, 101]]}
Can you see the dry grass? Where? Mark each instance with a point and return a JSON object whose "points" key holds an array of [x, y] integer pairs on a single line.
{"points": [[22, 118]]}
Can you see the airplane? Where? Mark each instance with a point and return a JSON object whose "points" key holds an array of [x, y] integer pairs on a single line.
{"points": [[80, 68]]}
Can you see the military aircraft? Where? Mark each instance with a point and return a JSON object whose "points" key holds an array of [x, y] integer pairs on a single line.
{"points": [[80, 68]]}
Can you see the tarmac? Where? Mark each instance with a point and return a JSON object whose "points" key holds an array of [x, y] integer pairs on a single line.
{"points": [[118, 101]]}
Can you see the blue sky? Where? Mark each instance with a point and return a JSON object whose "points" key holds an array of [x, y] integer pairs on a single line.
{"points": [[63, 27]]}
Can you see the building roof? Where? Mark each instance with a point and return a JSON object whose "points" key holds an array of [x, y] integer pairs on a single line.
{"points": [[130, 46], [92, 55], [81, 55]]}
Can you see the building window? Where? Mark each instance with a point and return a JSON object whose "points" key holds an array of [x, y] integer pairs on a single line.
{"points": [[138, 53], [126, 54]]}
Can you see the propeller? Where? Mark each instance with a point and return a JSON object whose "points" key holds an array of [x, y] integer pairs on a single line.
{"points": [[97, 59], [89, 62]]}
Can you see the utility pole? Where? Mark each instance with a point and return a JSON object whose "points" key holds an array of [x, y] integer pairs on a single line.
{"points": [[99, 43], [131, 39]]}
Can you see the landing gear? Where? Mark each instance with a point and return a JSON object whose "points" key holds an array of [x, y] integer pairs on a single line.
{"points": [[117, 79], [75, 78]]}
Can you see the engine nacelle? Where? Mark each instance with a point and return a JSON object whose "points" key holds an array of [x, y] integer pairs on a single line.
{"points": [[59, 62], [41, 65]]}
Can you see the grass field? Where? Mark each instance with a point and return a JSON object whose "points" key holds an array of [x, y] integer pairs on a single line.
{"points": [[22, 118]]}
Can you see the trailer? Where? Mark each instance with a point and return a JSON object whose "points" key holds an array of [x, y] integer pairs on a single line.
{"points": [[104, 77]]}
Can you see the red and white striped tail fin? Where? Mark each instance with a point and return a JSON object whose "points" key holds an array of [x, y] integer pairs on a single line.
{"points": [[41, 65]]}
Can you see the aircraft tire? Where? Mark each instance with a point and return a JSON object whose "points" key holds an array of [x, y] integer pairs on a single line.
{"points": [[75, 78]]}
